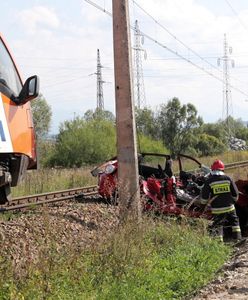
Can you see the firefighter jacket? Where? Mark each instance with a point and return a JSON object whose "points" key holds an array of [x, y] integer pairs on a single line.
{"points": [[220, 192]]}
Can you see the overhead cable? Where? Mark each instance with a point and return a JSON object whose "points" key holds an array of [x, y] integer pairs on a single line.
{"points": [[177, 39], [235, 13], [169, 49]]}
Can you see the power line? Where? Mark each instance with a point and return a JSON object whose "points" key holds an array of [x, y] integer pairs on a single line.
{"points": [[65, 81], [171, 50], [177, 39], [57, 67], [209, 57], [99, 7], [49, 58], [235, 13], [192, 63]]}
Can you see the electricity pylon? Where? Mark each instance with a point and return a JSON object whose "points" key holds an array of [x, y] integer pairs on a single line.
{"points": [[227, 95], [100, 99], [139, 87]]}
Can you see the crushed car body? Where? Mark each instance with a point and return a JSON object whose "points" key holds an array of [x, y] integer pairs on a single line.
{"points": [[169, 186]]}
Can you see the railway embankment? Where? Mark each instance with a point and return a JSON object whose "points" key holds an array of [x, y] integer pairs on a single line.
{"points": [[74, 250]]}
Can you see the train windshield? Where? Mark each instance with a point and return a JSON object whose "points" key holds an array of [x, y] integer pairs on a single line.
{"points": [[8, 74]]}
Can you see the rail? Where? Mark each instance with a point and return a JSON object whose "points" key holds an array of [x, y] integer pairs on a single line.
{"points": [[57, 196], [45, 198], [236, 165]]}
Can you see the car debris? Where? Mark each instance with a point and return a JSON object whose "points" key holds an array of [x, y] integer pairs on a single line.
{"points": [[169, 187]]}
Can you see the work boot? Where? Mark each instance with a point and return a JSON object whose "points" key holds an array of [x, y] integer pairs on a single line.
{"points": [[241, 242]]}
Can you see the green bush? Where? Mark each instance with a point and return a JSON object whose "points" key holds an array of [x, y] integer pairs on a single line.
{"points": [[80, 142], [147, 144], [208, 145]]}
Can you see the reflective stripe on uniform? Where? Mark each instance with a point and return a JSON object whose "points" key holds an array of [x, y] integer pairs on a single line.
{"points": [[204, 201], [220, 187], [219, 182], [219, 238], [236, 229], [222, 210]]}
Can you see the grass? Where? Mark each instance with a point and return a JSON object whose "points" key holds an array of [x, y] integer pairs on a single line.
{"points": [[153, 259], [49, 180], [228, 157]]}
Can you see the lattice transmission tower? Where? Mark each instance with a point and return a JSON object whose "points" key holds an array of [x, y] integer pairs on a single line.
{"points": [[227, 95], [100, 99], [139, 87]]}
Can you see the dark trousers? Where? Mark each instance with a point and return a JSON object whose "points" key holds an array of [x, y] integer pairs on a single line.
{"points": [[223, 223], [242, 213]]}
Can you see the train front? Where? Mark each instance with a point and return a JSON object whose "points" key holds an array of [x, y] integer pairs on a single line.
{"points": [[17, 137]]}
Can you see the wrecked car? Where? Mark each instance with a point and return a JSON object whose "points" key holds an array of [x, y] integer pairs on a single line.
{"points": [[185, 172], [169, 186]]}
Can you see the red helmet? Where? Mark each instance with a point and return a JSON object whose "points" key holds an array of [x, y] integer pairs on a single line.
{"points": [[217, 165]]}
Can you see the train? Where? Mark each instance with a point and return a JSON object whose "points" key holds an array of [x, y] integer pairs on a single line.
{"points": [[17, 134]]}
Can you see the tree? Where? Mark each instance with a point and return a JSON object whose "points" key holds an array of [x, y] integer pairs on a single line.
{"points": [[215, 129], [177, 124], [82, 142], [147, 144], [208, 145], [238, 128], [242, 133], [42, 115], [146, 122], [99, 115]]}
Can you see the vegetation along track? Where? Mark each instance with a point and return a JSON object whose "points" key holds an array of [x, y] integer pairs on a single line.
{"points": [[45, 198]]}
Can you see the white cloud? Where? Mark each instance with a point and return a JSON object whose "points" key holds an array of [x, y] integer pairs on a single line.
{"points": [[38, 18], [63, 54], [203, 31]]}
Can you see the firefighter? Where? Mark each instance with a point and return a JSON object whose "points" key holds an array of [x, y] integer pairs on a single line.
{"points": [[220, 193]]}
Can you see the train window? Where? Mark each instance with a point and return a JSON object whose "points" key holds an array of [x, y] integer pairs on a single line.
{"points": [[8, 73]]}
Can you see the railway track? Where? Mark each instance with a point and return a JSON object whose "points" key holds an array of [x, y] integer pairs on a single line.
{"points": [[70, 194], [236, 165], [51, 197]]}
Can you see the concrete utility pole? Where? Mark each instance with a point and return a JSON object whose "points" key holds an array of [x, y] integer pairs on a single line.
{"points": [[125, 119]]}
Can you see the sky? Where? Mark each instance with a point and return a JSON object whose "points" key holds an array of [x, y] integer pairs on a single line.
{"points": [[183, 39]]}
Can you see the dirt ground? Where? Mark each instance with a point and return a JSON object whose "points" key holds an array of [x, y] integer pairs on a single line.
{"points": [[232, 280], [24, 236]]}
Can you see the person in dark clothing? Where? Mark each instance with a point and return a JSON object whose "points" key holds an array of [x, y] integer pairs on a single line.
{"points": [[220, 193]]}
